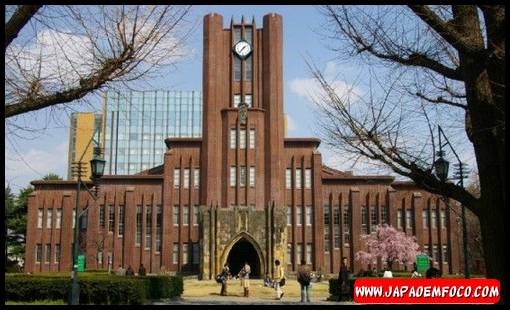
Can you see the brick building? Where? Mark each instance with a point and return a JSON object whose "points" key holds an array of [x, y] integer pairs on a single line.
{"points": [[240, 192]]}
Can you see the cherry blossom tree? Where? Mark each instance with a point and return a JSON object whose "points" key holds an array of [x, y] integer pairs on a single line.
{"points": [[388, 244]]}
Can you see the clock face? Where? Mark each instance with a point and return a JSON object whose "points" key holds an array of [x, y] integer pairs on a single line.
{"points": [[242, 49]]}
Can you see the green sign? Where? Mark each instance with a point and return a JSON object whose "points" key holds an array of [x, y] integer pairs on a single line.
{"points": [[422, 262], [81, 263]]}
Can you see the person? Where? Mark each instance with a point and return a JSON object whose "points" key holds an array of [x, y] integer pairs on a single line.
{"points": [[141, 270], [304, 278], [225, 273], [279, 281], [267, 281], [130, 271], [415, 273], [121, 271], [343, 275], [244, 275], [433, 271], [387, 273]]}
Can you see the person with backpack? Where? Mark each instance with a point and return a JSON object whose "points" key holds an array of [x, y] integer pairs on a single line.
{"points": [[304, 277], [279, 280], [225, 273]]}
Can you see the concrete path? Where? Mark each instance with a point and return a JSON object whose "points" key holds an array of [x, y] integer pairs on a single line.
{"points": [[234, 300]]}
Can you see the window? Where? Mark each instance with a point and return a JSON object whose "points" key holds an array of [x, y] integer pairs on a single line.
{"points": [[247, 100], [289, 253], [121, 221], [242, 138], [237, 100], [177, 178], [58, 222], [138, 225], [196, 253], [237, 69], [336, 215], [39, 218], [196, 177], [148, 228], [299, 215], [248, 69], [185, 214], [252, 176], [347, 226], [289, 215], [233, 172], [186, 178], [337, 236], [399, 218], [288, 178], [434, 219], [47, 252], [237, 34], [426, 249], [443, 219], [111, 218], [100, 259], [299, 252], [159, 219], [445, 254], [327, 219], [298, 178], [327, 239], [233, 138], [409, 219], [252, 138], [38, 252], [175, 253], [176, 215], [185, 258], [242, 176], [196, 214], [384, 214], [101, 216], [57, 253], [74, 218], [308, 215], [308, 253], [308, 178], [425, 217], [373, 218], [364, 220], [49, 218], [435, 253]]}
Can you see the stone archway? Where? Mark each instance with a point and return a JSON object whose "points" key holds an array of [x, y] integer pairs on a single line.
{"points": [[244, 248]]}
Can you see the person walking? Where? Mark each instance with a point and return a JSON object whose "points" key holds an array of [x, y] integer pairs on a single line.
{"points": [[343, 276], [225, 273], [279, 280], [141, 270], [244, 275], [304, 278], [130, 271]]}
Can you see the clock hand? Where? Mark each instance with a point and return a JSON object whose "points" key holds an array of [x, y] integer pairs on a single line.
{"points": [[242, 49]]}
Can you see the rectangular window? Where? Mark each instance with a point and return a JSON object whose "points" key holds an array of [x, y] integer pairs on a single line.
{"points": [[426, 249], [327, 218], [373, 218], [299, 215], [57, 253], [347, 226], [138, 225], [445, 254], [288, 178], [196, 177], [175, 253], [196, 214], [308, 215], [111, 218], [289, 215], [252, 138], [308, 253], [38, 252], [185, 258], [39, 218], [177, 173], [237, 100], [47, 252], [58, 222], [49, 217], [121, 221], [425, 217], [298, 178], [443, 218], [101, 216], [233, 138], [384, 214], [233, 174], [186, 178], [336, 215], [237, 34], [185, 214], [327, 239], [237, 69], [242, 176], [289, 253], [399, 218], [159, 220], [252, 176], [337, 236], [364, 220], [248, 69], [308, 178], [409, 219], [435, 253], [148, 228], [176, 215], [196, 253], [100, 259], [434, 219], [247, 100], [299, 252], [242, 138]]}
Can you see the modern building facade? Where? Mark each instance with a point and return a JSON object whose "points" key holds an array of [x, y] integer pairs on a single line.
{"points": [[241, 191]]}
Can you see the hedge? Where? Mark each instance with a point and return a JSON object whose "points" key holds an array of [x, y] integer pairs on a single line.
{"points": [[93, 290]]}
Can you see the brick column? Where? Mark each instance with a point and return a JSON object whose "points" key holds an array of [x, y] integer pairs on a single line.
{"points": [[392, 207], [454, 238], [67, 231], [355, 227], [417, 208], [129, 227], [318, 215], [93, 242], [31, 232]]}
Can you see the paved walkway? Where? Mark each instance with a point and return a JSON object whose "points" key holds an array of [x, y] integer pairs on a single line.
{"points": [[234, 300]]}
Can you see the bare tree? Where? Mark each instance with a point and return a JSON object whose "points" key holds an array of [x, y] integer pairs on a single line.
{"points": [[442, 64], [59, 54]]}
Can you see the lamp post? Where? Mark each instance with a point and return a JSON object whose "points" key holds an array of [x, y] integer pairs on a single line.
{"points": [[441, 167], [97, 169]]}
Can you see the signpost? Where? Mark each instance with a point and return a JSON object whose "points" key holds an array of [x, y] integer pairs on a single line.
{"points": [[422, 263], [81, 263]]}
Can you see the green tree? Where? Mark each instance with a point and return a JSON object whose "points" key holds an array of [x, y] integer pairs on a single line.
{"points": [[16, 221], [52, 177]]}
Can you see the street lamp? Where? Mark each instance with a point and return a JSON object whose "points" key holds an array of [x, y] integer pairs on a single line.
{"points": [[97, 169], [441, 167]]}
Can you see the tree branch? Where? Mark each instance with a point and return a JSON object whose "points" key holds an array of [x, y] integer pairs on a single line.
{"points": [[441, 100], [18, 20]]}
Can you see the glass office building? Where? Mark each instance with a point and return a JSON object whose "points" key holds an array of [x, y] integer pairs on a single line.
{"points": [[136, 124]]}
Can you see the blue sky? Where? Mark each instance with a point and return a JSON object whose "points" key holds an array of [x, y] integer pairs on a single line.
{"points": [[301, 25]]}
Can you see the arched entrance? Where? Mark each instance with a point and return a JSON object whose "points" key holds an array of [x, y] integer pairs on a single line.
{"points": [[240, 252]]}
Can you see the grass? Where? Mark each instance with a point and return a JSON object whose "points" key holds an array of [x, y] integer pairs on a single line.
{"points": [[37, 302]]}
